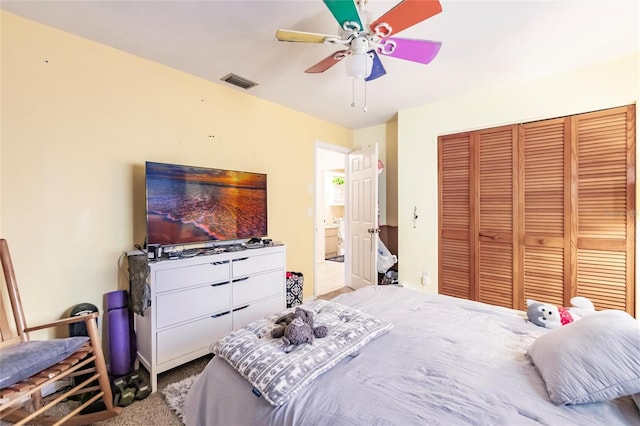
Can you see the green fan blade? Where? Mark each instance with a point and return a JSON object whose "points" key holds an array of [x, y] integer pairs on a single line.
{"points": [[344, 11]]}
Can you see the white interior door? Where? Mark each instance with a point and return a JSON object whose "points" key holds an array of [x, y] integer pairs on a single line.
{"points": [[363, 216]]}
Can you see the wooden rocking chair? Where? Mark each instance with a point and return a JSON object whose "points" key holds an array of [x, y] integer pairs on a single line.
{"points": [[27, 367]]}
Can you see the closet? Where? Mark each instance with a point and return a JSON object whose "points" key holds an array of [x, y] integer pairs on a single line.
{"points": [[542, 210]]}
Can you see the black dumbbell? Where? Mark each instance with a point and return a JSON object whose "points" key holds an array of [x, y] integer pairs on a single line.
{"points": [[141, 385], [124, 394]]}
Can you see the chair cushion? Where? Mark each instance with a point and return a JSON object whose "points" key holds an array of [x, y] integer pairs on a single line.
{"points": [[25, 359]]}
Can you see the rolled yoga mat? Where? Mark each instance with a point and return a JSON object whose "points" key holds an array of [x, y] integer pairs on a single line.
{"points": [[119, 337]]}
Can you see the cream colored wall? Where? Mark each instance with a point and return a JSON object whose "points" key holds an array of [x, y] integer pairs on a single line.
{"points": [[79, 120], [391, 172], [605, 85]]}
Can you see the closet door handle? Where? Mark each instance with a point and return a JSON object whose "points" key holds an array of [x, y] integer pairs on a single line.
{"points": [[240, 279], [221, 262], [221, 314], [219, 284], [492, 236], [240, 308], [239, 259]]}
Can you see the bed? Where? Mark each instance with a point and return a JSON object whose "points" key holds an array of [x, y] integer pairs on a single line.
{"points": [[445, 361]]}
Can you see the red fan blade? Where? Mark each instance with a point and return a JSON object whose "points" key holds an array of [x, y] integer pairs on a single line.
{"points": [[404, 15], [328, 62], [421, 51]]}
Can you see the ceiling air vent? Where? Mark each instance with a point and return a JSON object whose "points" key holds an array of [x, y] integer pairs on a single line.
{"points": [[236, 80]]}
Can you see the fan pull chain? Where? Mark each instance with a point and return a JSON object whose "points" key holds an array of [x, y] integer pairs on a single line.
{"points": [[365, 96], [353, 93]]}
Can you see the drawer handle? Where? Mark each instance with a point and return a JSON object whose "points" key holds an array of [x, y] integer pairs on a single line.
{"points": [[240, 279], [219, 284], [240, 308], [239, 259], [220, 314], [221, 262]]}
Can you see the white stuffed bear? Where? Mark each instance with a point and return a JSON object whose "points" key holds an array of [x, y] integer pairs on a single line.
{"points": [[550, 316]]}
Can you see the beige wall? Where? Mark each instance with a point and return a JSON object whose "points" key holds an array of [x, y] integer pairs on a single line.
{"points": [[79, 120], [391, 173], [609, 84]]}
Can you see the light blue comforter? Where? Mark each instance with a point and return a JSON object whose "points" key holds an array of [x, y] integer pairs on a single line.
{"points": [[446, 361]]}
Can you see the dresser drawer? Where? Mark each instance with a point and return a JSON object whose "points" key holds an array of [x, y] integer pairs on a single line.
{"points": [[258, 310], [176, 307], [256, 287], [181, 340], [254, 264], [187, 276]]}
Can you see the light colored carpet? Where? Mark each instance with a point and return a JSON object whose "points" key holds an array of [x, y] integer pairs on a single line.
{"points": [[154, 410]]}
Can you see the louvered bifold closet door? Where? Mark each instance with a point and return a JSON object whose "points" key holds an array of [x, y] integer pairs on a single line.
{"points": [[455, 250], [605, 145], [496, 200], [545, 210]]}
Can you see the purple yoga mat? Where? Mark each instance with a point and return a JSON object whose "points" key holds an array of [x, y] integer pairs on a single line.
{"points": [[119, 337]]}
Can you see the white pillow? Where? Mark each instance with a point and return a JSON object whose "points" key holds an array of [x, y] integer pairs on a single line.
{"points": [[596, 358]]}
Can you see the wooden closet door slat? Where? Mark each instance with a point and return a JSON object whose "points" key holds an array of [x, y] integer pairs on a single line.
{"points": [[495, 221], [454, 171], [605, 181], [543, 200]]}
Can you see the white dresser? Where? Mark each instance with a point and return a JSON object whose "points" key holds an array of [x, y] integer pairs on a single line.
{"points": [[195, 301]]}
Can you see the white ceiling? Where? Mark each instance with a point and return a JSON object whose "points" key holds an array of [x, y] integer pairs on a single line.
{"points": [[484, 42]]}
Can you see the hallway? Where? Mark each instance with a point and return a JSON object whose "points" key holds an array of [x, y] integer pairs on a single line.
{"points": [[330, 276]]}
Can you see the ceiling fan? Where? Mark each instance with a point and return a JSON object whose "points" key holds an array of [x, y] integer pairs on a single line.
{"points": [[362, 41]]}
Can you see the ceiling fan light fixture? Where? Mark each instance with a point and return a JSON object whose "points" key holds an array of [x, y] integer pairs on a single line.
{"points": [[358, 65]]}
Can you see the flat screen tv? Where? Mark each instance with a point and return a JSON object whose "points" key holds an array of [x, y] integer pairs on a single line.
{"points": [[188, 204]]}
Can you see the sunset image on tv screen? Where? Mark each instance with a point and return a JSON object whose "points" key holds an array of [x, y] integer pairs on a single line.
{"points": [[194, 204]]}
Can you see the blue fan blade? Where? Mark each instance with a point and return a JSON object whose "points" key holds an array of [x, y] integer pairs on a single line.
{"points": [[377, 70]]}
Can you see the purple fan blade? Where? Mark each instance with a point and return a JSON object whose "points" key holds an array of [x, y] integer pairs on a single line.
{"points": [[422, 51], [377, 70]]}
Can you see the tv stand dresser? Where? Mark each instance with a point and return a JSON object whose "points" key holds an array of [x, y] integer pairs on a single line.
{"points": [[195, 301]]}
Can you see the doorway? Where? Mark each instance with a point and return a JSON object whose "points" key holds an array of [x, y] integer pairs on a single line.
{"points": [[331, 206]]}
